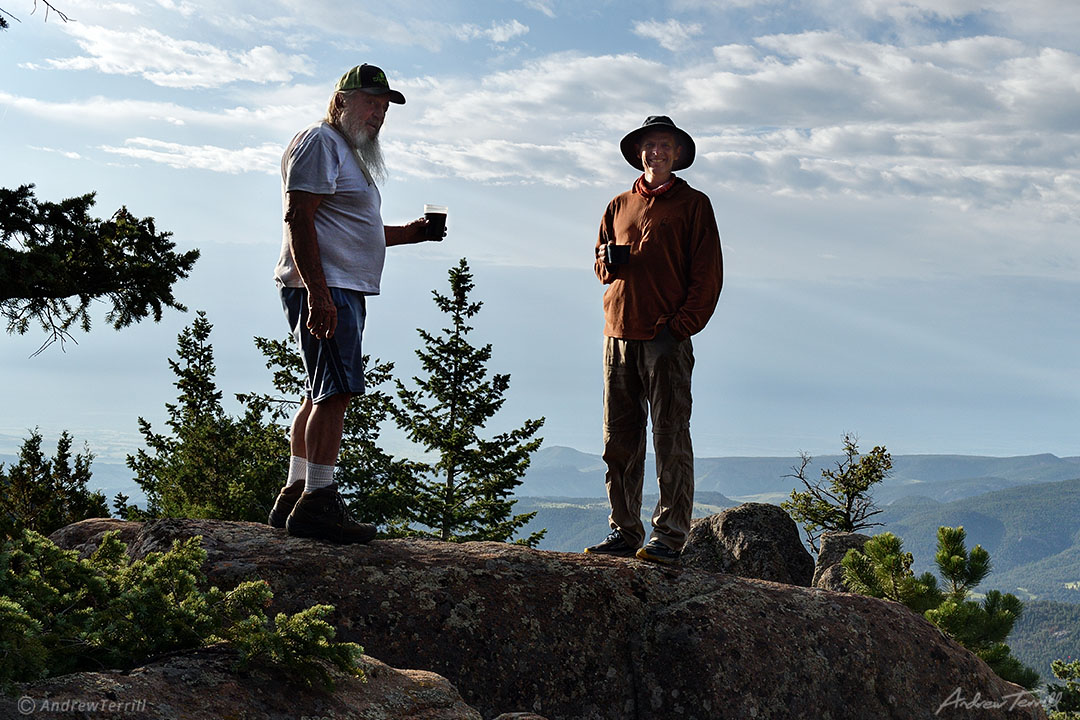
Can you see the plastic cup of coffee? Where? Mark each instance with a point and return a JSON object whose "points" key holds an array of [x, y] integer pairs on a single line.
{"points": [[436, 217]]}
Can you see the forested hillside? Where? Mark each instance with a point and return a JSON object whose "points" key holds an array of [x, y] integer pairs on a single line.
{"points": [[1032, 534], [1046, 631]]}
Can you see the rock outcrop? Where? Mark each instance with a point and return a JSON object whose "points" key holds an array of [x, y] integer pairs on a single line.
{"points": [[828, 574], [577, 636], [203, 685], [753, 540]]}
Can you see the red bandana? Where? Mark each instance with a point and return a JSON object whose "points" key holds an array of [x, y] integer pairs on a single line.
{"points": [[643, 189]]}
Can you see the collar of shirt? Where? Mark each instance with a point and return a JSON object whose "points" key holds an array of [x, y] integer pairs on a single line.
{"points": [[641, 188]]}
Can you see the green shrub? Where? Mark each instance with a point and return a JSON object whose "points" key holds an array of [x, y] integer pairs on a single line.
{"points": [[1068, 695], [840, 501], [61, 614]]}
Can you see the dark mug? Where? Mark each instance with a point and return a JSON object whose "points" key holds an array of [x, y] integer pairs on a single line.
{"points": [[616, 254], [436, 217]]}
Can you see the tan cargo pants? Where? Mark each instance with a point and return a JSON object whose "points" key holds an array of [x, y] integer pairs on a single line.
{"points": [[642, 378]]}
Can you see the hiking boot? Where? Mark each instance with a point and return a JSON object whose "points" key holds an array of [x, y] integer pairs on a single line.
{"points": [[614, 544], [286, 499], [322, 514], [658, 552]]}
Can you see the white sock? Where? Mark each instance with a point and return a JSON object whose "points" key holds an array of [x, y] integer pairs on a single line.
{"points": [[318, 476], [297, 470]]}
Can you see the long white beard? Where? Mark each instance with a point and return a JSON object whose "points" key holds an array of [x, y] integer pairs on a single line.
{"points": [[366, 147], [370, 154]]}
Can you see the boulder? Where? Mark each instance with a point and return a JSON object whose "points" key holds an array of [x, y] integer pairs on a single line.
{"points": [[204, 685], [828, 573], [579, 636], [753, 540]]}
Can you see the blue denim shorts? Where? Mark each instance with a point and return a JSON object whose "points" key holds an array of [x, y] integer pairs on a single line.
{"points": [[334, 365]]}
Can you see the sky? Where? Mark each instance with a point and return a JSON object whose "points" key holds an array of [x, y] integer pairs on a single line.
{"points": [[895, 184]]}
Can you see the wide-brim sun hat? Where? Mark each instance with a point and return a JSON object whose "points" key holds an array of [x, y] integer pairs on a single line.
{"points": [[371, 80], [658, 122]]}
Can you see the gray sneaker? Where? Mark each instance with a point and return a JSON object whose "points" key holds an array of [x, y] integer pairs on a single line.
{"points": [[322, 514], [286, 499]]}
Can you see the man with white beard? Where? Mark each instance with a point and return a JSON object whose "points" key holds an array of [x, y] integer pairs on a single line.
{"points": [[333, 248]]}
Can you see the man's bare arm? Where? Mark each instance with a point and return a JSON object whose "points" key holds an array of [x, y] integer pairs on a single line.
{"points": [[409, 234], [304, 244]]}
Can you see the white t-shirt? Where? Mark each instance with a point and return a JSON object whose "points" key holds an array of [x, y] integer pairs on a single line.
{"points": [[348, 221]]}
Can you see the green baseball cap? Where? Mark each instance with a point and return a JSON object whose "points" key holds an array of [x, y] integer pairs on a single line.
{"points": [[369, 79]]}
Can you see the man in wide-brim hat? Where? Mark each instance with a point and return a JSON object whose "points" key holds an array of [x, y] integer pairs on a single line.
{"points": [[659, 255]]}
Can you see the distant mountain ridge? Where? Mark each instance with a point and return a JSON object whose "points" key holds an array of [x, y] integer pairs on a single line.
{"points": [[566, 472], [558, 471]]}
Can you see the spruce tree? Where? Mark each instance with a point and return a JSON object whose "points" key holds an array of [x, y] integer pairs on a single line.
{"points": [[42, 494], [466, 492], [211, 465], [56, 259]]}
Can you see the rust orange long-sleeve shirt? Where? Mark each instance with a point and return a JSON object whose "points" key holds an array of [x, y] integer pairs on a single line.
{"points": [[676, 267]]}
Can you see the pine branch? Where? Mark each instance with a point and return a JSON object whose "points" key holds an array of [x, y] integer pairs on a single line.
{"points": [[50, 7]]}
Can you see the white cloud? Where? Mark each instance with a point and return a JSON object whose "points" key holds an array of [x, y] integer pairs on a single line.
{"points": [[70, 155], [824, 78], [184, 8], [265, 158], [541, 6], [101, 112], [671, 35], [976, 122], [497, 33], [812, 78], [715, 6], [120, 7], [317, 19], [170, 62], [867, 161], [572, 162], [554, 97], [1046, 11], [972, 54], [1041, 21]]}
